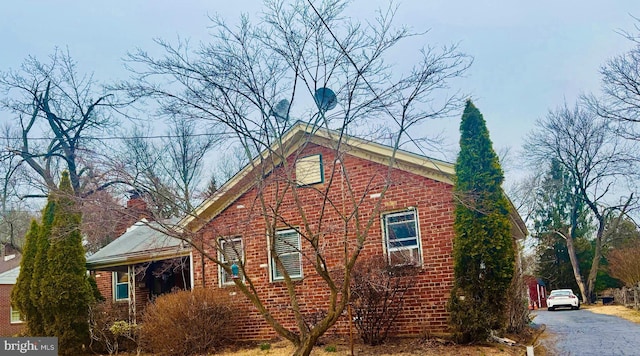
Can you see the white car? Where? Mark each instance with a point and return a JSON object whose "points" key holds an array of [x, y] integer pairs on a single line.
{"points": [[562, 298]]}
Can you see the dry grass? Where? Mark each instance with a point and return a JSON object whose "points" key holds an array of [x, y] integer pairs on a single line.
{"points": [[617, 310], [401, 347], [429, 347], [404, 347]]}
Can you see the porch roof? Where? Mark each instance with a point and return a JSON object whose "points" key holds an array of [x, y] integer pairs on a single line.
{"points": [[142, 242]]}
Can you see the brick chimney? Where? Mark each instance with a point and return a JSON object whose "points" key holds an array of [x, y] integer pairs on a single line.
{"points": [[135, 201], [135, 211]]}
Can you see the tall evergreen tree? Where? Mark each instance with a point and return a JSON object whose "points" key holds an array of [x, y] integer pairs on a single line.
{"points": [[20, 294], [65, 289], [40, 269], [484, 257]]}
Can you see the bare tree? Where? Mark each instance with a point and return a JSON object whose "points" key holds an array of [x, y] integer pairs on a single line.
{"points": [[625, 265], [185, 155], [598, 163], [103, 219], [251, 79], [168, 173], [621, 230], [229, 163], [621, 89], [15, 214], [57, 112]]}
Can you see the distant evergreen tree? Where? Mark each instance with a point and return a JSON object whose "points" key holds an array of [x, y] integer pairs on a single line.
{"points": [[66, 291], [484, 257], [20, 294], [555, 204]]}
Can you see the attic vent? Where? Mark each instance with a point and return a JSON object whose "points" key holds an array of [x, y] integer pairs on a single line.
{"points": [[309, 170]]}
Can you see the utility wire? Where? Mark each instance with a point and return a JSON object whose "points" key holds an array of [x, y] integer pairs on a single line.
{"points": [[114, 137]]}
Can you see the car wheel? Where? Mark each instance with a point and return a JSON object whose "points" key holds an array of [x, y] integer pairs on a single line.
{"points": [[575, 308], [551, 309]]}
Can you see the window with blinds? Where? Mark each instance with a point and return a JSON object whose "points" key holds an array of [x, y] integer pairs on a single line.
{"points": [[402, 239], [287, 248], [309, 170], [231, 252]]}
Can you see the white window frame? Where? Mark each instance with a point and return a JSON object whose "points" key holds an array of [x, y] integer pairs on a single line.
{"points": [[390, 250], [13, 319], [222, 274], [296, 251], [116, 283]]}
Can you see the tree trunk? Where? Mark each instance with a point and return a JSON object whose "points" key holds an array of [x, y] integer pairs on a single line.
{"points": [[307, 343], [595, 263], [576, 267]]}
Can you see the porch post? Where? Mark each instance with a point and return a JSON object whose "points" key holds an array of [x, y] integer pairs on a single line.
{"points": [[132, 293]]}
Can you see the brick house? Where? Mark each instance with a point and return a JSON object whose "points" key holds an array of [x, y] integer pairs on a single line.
{"points": [[411, 224], [140, 265], [10, 323]]}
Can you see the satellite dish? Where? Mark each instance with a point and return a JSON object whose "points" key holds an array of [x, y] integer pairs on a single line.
{"points": [[325, 99], [281, 110]]}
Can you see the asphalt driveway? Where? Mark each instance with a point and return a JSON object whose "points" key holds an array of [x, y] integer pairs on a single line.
{"points": [[581, 332]]}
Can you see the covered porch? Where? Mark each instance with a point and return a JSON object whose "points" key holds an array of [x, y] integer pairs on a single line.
{"points": [[141, 265]]}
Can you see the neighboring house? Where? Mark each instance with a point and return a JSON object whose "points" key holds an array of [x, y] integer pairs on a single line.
{"points": [[9, 257], [10, 323], [537, 292], [140, 265], [413, 226]]}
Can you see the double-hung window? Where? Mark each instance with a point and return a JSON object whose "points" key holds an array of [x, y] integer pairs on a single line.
{"points": [[287, 248], [15, 316], [230, 252], [120, 286], [401, 238]]}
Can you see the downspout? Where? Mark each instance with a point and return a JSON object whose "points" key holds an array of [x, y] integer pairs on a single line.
{"points": [[202, 261], [191, 271]]}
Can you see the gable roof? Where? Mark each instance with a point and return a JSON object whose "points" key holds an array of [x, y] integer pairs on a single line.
{"points": [[10, 257], [302, 133], [142, 242], [10, 276]]}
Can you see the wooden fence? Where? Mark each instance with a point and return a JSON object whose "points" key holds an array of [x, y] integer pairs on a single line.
{"points": [[629, 297]]}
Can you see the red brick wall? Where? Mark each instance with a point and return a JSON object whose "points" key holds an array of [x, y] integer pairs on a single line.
{"points": [[425, 306], [105, 286], [6, 328], [104, 282]]}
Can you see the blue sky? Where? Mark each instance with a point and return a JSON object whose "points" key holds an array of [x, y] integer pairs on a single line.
{"points": [[529, 57]]}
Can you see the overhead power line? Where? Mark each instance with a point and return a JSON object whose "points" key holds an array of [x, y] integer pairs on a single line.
{"points": [[115, 137]]}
